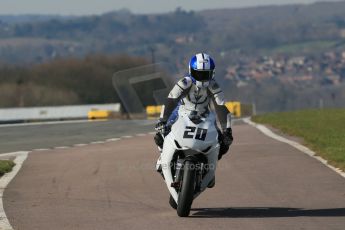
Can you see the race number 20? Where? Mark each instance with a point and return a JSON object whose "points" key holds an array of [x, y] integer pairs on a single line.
{"points": [[200, 133]]}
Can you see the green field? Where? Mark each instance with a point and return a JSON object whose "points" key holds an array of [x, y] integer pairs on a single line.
{"points": [[322, 130], [6, 166]]}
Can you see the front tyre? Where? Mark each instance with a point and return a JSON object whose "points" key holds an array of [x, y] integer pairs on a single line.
{"points": [[186, 194]]}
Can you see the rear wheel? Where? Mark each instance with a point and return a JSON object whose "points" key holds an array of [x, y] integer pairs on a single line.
{"points": [[185, 196]]}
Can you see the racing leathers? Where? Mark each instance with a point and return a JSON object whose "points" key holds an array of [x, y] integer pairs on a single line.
{"points": [[189, 97]]}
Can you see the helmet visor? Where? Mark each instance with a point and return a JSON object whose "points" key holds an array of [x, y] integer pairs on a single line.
{"points": [[202, 75]]}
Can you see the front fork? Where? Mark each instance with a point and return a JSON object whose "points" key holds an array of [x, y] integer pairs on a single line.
{"points": [[179, 173]]}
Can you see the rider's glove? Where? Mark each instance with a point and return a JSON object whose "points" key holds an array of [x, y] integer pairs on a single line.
{"points": [[161, 127], [227, 137]]}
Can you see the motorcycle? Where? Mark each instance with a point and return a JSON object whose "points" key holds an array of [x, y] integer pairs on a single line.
{"points": [[189, 158]]}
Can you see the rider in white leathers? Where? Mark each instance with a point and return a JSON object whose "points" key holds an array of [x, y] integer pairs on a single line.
{"points": [[194, 93]]}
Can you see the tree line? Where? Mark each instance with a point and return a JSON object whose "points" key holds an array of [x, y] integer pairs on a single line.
{"points": [[63, 81]]}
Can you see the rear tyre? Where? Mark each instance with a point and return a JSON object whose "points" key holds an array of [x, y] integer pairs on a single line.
{"points": [[185, 196]]}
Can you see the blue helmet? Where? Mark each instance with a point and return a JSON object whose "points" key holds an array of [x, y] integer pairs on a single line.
{"points": [[201, 69]]}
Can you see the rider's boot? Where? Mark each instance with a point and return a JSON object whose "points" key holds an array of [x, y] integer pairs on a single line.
{"points": [[172, 202], [212, 183], [159, 140], [159, 167]]}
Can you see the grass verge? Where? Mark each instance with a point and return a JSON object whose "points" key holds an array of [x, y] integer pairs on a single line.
{"points": [[322, 130], [6, 166]]}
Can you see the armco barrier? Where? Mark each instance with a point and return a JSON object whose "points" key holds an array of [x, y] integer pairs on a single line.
{"points": [[101, 114], [54, 113]]}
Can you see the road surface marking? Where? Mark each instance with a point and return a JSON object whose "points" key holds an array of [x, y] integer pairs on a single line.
{"points": [[5, 180], [37, 150], [62, 147], [97, 142], [127, 136], [79, 145], [141, 134], [294, 144], [113, 139]]}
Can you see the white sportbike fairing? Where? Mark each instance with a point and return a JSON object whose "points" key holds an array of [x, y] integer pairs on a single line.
{"points": [[189, 157]]}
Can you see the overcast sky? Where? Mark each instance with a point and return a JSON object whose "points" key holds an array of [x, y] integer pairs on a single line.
{"points": [[82, 7]]}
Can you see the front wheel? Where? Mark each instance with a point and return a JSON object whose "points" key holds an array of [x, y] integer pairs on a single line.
{"points": [[186, 194]]}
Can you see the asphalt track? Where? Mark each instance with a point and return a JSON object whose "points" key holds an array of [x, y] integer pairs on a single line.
{"points": [[45, 135], [261, 184]]}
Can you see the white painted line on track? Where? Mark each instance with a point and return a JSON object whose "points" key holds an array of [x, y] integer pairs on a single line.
{"points": [[11, 154], [294, 144], [141, 134], [97, 142], [152, 133], [127, 136], [38, 150], [4, 181], [62, 147], [113, 139], [79, 145]]}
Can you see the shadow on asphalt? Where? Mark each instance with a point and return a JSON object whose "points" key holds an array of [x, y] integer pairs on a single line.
{"points": [[263, 212]]}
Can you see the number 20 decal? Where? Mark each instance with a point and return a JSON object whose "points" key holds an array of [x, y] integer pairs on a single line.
{"points": [[199, 135]]}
